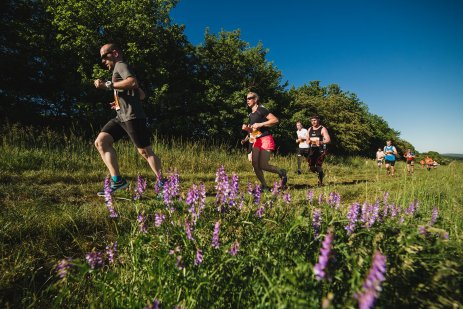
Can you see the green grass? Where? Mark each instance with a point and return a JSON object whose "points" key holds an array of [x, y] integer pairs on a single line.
{"points": [[50, 211]]}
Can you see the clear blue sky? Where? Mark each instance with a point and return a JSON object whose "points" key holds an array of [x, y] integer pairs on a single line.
{"points": [[403, 59]]}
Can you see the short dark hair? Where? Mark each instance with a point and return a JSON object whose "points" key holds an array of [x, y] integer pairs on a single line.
{"points": [[114, 46], [315, 117]]}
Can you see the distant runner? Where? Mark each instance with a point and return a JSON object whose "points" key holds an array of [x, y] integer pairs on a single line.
{"points": [[410, 158], [390, 157], [379, 157], [317, 138], [260, 120], [303, 147]]}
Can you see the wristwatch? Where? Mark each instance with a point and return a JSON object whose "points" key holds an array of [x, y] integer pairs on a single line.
{"points": [[109, 85]]}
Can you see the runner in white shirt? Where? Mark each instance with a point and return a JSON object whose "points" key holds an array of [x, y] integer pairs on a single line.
{"points": [[303, 149]]}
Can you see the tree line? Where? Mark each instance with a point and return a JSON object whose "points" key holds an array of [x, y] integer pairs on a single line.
{"points": [[50, 57]]}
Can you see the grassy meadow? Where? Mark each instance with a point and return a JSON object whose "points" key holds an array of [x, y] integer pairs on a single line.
{"points": [[60, 247]]}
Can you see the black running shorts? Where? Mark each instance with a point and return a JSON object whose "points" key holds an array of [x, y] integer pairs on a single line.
{"points": [[136, 129]]}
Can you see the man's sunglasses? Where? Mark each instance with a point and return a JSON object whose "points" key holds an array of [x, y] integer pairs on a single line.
{"points": [[105, 55]]}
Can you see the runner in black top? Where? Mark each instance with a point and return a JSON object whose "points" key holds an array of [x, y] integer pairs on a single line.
{"points": [[317, 137], [130, 119], [260, 120]]}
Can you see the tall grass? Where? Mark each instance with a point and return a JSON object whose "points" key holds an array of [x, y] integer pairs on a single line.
{"points": [[50, 212]]}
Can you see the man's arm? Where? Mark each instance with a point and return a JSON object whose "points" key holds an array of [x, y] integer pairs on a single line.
{"points": [[326, 136]]}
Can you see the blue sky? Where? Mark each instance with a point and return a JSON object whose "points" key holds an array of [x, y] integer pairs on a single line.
{"points": [[403, 59]]}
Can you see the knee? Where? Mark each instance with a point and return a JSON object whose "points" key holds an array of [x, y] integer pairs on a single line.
{"points": [[100, 144], [313, 169], [145, 152]]}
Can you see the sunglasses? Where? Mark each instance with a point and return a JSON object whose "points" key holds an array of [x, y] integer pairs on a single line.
{"points": [[105, 55], [250, 98]]}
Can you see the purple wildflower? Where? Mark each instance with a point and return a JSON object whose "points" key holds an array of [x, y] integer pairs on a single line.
{"points": [[435, 212], [171, 188], [276, 188], [412, 208], [94, 259], [320, 199], [287, 197], [222, 187], [260, 211], [319, 268], [235, 247], [372, 285], [215, 235], [422, 230], [316, 221], [63, 267], [234, 190], [158, 219], [309, 196], [188, 230], [199, 257], [386, 195], [249, 189], [257, 194], [352, 216], [141, 187], [111, 252], [155, 305], [141, 223], [109, 199]]}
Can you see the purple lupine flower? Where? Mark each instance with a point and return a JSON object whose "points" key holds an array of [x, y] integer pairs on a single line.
{"points": [[352, 216], [435, 212], [422, 230], [411, 208], [215, 235], [260, 211], [63, 267], [202, 197], [141, 223], [222, 187], [386, 195], [188, 230], [141, 187], [316, 221], [94, 259], [309, 196], [171, 188], [365, 212], [276, 188], [158, 219], [257, 194], [372, 285], [111, 252], [320, 199], [241, 202], [287, 197], [235, 247], [445, 235], [319, 268], [337, 200], [109, 199], [250, 188], [401, 220], [199, 257], [394, 210], [155, 305], [234, 190], [373, 214]]}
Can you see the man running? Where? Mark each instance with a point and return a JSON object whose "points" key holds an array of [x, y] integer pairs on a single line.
{"points": [[260, 121], [379, 157], [410, 158], [303, 147], [390, 156], [130, 119], [317, 138]]}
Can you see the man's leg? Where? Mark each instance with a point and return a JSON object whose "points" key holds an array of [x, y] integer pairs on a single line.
{"points": [[104, 144], [299, 160], [153, 160]]}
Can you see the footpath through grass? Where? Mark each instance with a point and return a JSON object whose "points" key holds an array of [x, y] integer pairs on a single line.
{"points": [[236, 248]]}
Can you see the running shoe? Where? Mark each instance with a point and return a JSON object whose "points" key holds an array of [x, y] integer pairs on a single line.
{"points": [[115, 186]]}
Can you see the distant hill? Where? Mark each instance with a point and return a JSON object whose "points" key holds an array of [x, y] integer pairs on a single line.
{"points": [[457, 156]]}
